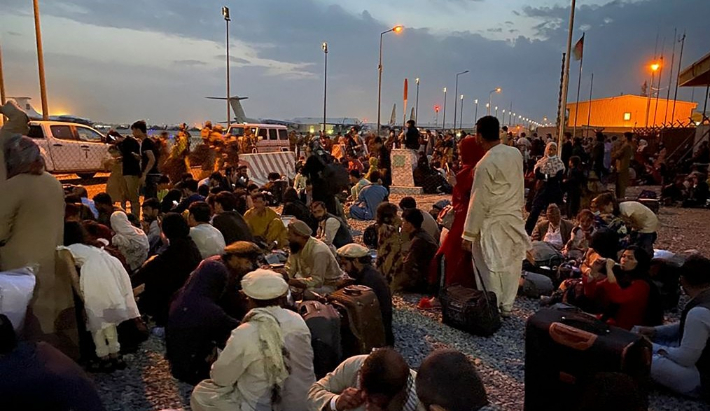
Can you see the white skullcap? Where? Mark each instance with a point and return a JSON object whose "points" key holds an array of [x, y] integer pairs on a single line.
{"points": [[263, 284]]}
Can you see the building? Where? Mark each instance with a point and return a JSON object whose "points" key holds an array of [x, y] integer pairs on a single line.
{"points": [[627, 112]]}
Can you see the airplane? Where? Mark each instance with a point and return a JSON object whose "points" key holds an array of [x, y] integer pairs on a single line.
{"points": [[24, 103], [240, 116]]}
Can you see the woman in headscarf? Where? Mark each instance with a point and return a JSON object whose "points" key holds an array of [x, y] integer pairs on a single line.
{"points": [[429, 179], [549, 172], [197, 325], [167, 272], [458, 263], [130, 241], [389, 241], [107, 294], [31, 228]]}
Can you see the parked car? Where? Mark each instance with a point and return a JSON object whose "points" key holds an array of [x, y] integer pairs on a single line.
{"points": [[269, 137], [69, 148]]}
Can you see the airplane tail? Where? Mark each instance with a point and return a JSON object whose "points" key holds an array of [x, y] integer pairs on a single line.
{"points": [[237, 108], [24, 103], [393, 117]]}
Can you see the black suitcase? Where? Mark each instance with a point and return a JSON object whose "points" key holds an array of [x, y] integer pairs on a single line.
{"points": [[565, 348], [323, 320], [362, 328]]}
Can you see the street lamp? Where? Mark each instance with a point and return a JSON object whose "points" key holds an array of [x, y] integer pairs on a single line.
{"points": [[496, 111], [461, 120], [324, 46], [456, 93], [475, 114], [225, 14], [497, 90], [416, 103], [443, 120], [40, 61], [396, 29], [654, 68]]}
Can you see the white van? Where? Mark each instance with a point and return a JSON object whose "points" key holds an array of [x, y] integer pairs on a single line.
{"points": [[269, 137], [69, 148]]}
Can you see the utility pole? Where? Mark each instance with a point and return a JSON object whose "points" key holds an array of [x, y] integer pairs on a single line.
{"points": [[565, 81], [325, 83], [2, 88], [680, 62], [225, 14], [40, 62]]}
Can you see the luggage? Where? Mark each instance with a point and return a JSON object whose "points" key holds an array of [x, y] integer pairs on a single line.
{"points": [[651, 203], [534, 285], [469, 309], [361, 328], [565, 348], [323, 320]]}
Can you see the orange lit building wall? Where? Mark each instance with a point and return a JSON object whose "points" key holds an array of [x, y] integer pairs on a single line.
{"points": [[629, 111]]}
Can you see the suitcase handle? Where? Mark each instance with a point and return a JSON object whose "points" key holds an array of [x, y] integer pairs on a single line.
{"points": [[569, 336], [352, 291]]}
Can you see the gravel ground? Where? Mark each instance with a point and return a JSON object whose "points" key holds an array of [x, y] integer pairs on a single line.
{"points": [[148, 385]]}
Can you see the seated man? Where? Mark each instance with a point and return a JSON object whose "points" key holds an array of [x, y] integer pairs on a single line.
{"points": [[448, 381], [252, 373], [370, 197], [151, 210], [40, 377], [207, 238], [355, 260], [429, 225], [83, 195], [358, 182], [697, 193], [379, 381], [189, 195], [105, 206], [332, 230], [311, 264], [422, 249], [554, 230], [240, 258], [227, 220], [681, 355], [265, 223]]}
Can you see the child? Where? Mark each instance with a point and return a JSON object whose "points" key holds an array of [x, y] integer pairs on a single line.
{"points": [[107, 294], [578, 243]]}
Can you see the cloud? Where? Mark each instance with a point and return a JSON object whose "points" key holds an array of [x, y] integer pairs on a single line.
{"points": [[13, 33], [495, 30], [189, 63]]}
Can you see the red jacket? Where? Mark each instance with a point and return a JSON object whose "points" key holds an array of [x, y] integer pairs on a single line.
{"points": [[632, 301]]}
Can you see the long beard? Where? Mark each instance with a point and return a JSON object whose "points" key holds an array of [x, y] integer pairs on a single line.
{"points": [[294, 247]]}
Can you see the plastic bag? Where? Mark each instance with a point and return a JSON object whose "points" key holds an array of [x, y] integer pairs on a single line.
{"points": [[16, 289]]}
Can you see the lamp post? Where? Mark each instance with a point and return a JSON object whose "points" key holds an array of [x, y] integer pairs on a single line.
{"points": [[2, 88], [324, 46], [488, 109], [475, 113], [416, 103], [40, 62], [456, 93], [225, 14], [503, 119], [654, 68], [461, 119], [443, 120], [497, 90], [496, 111], [396, 29]]}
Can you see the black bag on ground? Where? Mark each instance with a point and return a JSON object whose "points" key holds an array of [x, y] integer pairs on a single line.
{"points": [[323, 320], [534, 285], [565, 348], [362, 328], [470, 310], [131, 333]]}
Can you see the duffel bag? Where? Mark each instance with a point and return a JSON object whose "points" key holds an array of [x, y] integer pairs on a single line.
{"points": [[470, 310]]}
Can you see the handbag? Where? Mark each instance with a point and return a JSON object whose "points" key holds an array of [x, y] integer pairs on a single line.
{"points": [[470, 310], [445, 218]]}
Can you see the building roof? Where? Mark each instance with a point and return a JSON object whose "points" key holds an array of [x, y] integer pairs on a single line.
{"points": [[698, 74]]}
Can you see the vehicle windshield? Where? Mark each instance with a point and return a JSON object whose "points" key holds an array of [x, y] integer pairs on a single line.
{"points": [[238, 131]]}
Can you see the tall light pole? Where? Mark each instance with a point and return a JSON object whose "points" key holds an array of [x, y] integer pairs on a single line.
{"points": [[443, 120], [456, 93], [503, 119], [416, 103], [2, 88], [461, 120], [225, 14], [496, 111], [654, 69], [565, 77], [396, 29], [497, 90], [324, 46], [40, 62], [475, 114]]}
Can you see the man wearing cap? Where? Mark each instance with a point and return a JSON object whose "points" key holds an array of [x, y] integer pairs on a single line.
{"points": [[240, 258], [267, 363], [311, 264], [355, 260]]}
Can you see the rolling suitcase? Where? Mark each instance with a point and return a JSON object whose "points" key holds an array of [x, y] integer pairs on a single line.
{"points": [[361, 328], [565, 348], [323, 320]]}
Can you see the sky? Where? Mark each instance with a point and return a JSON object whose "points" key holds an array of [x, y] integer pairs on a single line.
{"points": [[121, 61]]}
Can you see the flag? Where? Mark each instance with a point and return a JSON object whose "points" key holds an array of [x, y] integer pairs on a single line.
{"points": [[579, 49], [406, 90]]}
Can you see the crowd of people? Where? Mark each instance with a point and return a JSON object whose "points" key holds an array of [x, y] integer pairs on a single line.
{"points": [[217, 272]]}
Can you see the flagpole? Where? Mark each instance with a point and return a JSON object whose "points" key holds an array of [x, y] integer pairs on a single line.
{"points": [[680, 61], [565, 82], [579, 85], [670, 78], [589, 106]]}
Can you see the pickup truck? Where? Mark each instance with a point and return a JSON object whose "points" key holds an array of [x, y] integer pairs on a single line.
{"points": [[70, 148]]}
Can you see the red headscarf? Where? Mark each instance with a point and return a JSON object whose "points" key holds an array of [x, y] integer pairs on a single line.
{"points": [[471, 153]]}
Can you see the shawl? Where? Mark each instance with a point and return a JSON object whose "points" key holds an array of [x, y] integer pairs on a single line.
{"points": [[130, 240], [548, 164]]}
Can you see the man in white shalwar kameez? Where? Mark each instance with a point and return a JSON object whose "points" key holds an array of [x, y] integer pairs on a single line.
{"points": [[494, 225]]}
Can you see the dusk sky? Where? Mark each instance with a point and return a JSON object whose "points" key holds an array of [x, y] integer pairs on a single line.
{"points": [[119, 61]]}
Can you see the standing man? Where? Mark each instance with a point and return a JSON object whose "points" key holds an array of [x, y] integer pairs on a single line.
{"points": [[384, 163], [494, 224], [623, 158], [130, 160], [149, 154], [411, 136]]}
